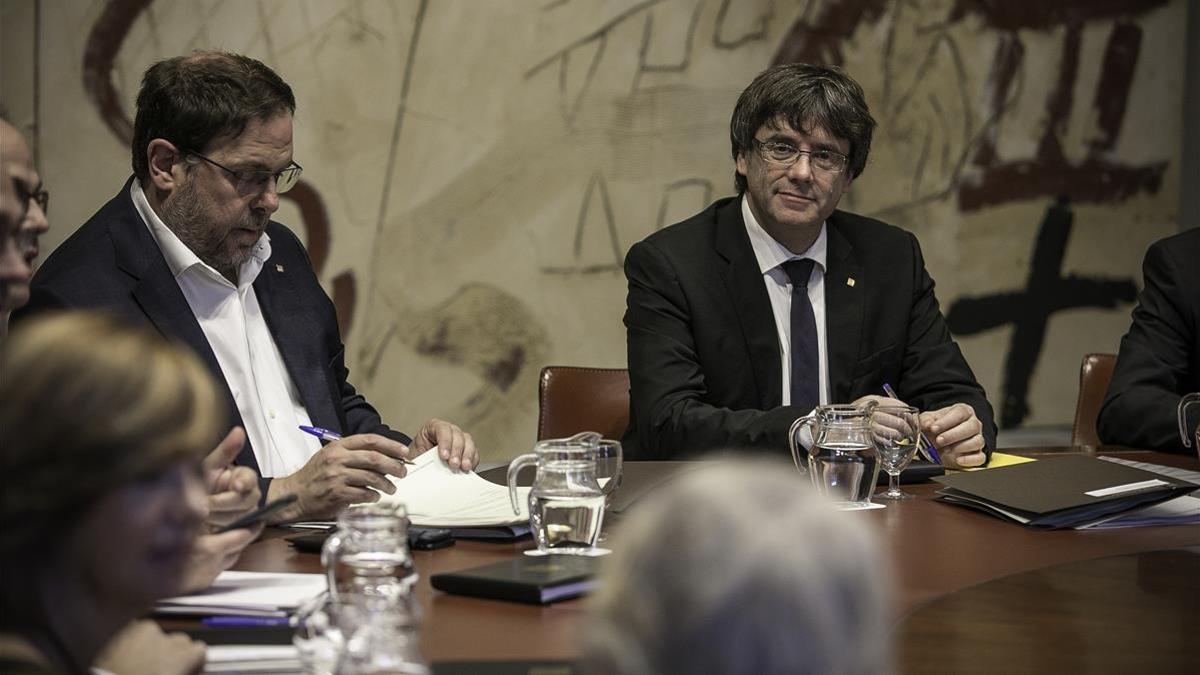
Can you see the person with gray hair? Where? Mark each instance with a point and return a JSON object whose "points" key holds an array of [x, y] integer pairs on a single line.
{"points": [[741, 568]]}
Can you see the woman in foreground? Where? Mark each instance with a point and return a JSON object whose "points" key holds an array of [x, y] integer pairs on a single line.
{"points": [[105, 427]]}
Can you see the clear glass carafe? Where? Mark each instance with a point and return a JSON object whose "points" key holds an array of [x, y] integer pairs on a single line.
{"points": [[566, 504], [384, 636], [842, 460], [1187, 402], [368, 555]]}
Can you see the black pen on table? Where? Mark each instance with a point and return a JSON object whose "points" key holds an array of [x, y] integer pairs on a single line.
{"points": [[330, 436], [930, 452]]}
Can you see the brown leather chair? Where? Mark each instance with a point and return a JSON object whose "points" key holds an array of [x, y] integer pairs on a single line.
{"points": [[1094, 376], [573, 399]]}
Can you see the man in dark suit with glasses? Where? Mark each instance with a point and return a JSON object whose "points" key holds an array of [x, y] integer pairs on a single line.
{"points": [[189, 246], [765, 305]]}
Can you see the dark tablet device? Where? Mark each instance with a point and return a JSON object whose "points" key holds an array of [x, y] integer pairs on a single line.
{"points": [[419, 539]]}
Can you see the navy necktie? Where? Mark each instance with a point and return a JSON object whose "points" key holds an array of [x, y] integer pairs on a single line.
{"points": [[806, 371]]}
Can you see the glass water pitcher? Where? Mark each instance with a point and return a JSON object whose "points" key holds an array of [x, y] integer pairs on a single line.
{"points": [[842, 461], [566, 504]]}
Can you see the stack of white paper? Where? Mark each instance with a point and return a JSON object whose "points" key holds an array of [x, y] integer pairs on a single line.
{"points": [[248, 594], [1183, 510], [260, 659], [435, 496]]}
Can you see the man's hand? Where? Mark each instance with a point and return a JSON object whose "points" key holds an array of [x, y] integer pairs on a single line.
{"points": [[215, 553], [232, 490], [878, 400], [142, 648], [340, 474], [957, 434], [455, 445]]}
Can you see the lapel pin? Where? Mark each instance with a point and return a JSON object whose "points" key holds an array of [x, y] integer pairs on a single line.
{"points": [[849, 281], [279, 268]]}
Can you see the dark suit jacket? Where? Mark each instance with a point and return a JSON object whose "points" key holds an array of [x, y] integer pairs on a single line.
{"points": [[704, 363], [1159, 360], [113, 263]]}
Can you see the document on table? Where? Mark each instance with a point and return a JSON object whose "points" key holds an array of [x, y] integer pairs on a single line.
{"points": [[435, 496], [1183, 510], [248, 594], [252, 659]]}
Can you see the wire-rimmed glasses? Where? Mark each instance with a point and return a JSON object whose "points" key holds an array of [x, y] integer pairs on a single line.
{"points": [[786, 154], [250, 181]]}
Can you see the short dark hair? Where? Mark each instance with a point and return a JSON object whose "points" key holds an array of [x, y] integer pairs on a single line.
{"points": [[804, 94], [193, 100]]}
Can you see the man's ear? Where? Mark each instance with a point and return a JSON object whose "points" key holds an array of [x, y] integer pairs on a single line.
{"points": [[741, 164], [166, 167]]}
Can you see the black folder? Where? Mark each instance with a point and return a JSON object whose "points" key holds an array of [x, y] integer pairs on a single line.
{"points": [[534, 580], [1059, 492]]}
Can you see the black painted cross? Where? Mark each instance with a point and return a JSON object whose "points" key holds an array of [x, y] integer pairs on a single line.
{"points": [[1028, 310]]}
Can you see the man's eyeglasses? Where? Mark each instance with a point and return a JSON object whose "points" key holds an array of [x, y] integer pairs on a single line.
{"points": [[28, 197], [774, 152], [256, 181]]}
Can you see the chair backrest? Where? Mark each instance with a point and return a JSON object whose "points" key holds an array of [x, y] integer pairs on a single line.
{"points": [[1094, 375], [573, 399]]}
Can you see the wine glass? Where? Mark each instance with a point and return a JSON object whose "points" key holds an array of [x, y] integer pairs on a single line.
{"points": [[896, 431], [608, 468], [608, 472]]}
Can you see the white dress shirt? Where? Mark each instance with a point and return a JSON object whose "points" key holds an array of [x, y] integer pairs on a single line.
{"points": [[771, 255], [233, 322]]}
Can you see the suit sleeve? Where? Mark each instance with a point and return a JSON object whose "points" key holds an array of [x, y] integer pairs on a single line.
{"points": [[357, 415], [667, 381], [935, 374], [1150, 376]]}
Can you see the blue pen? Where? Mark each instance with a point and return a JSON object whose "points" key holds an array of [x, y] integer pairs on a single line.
{"points": [[330, 436], [245, 621], [323, 434], [927, 448]]}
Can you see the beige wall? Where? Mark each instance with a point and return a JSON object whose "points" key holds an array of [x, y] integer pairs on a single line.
{"points": [[485, 165]]}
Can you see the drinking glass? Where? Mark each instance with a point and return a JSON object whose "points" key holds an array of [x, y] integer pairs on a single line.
{"points": [[1186, 402], [608, 468], [608, 473], [896, 431]]}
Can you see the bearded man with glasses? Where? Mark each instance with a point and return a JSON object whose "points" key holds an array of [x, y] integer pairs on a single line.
{"points": [[763, 306], [188, 246]]}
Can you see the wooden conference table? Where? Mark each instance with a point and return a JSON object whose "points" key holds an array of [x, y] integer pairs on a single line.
{"points": [[972, 592]]}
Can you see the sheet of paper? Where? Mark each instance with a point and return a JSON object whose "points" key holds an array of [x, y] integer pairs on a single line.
{"points": [[1000, 459], [248, 593], [245, 659], [1183, 510], [435, 496]]}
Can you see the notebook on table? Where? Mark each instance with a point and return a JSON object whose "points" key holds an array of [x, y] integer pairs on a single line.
{"points": [[1058, 492], [533, 580]]}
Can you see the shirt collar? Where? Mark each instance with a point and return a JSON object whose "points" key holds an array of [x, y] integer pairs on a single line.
{"points": [[769, 252], [180, 259]]}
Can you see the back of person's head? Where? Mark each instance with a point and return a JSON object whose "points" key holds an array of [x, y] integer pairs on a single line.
{"points": [[203, 97], [88, 405], [802, 95], [740, 568]]}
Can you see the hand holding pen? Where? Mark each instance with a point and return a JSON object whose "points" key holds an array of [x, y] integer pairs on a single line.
{"points": [[926, 448], [958, 433], [350, 470], [331, 436]]}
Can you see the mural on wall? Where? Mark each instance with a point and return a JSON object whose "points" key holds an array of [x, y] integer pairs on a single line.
{"points": [[475, 172]]}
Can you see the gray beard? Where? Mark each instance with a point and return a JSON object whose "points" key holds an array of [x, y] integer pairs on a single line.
{"points": [[184, 215]]}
